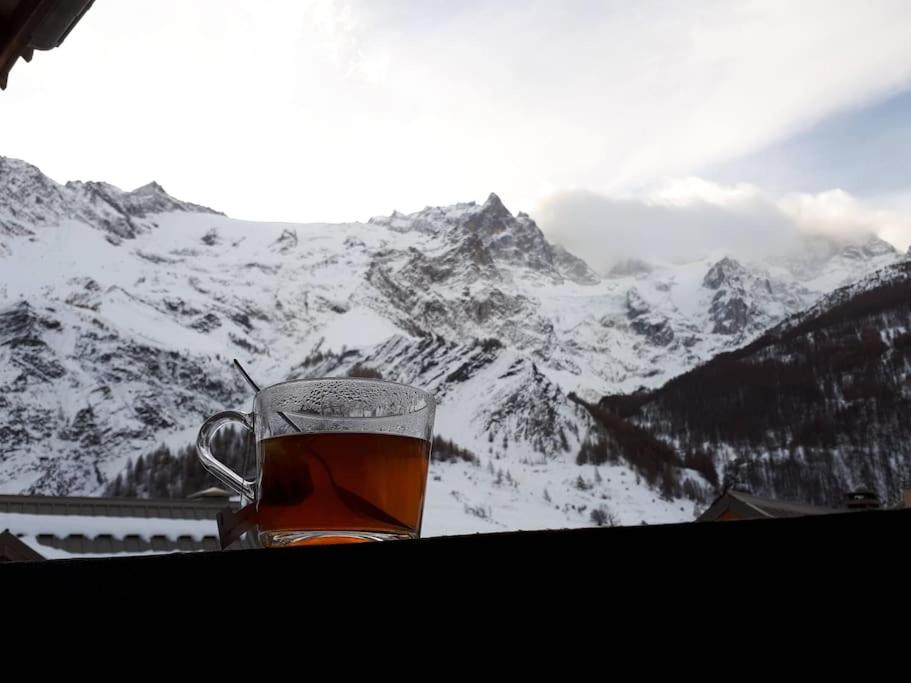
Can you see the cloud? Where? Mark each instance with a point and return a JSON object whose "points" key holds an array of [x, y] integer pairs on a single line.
{"points": [[838, 214], [342, 110], [692, 218]]}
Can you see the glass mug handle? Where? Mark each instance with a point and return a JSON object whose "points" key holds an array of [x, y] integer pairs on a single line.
{"points": [[245, 487]]}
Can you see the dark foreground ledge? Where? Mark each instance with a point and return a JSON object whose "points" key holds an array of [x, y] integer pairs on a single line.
{"points": [[839, 557]]}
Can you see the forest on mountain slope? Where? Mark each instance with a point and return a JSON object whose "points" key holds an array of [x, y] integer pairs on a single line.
{"points": [[166, 473], [816, 407]]}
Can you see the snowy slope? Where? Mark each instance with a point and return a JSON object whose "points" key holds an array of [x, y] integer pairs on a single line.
{"points": [[120, 312], [814, 408]]}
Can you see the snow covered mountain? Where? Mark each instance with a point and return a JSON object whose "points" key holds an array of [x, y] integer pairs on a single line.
{"points": [[120, 312], [813, 409]]}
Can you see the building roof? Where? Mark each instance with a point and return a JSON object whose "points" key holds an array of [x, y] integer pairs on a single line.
{"points": [[213, 492], [60, 527], [747, 506], [165, 508], [14, 550], [29, 25]]}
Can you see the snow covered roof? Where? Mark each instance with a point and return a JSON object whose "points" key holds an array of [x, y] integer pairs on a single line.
{"points": [[61, 527]]}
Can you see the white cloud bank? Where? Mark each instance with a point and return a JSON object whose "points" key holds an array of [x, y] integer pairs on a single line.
{"points": [[691, 218], [324, 110]]}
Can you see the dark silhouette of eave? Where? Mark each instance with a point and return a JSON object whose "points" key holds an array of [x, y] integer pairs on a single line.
{"points": [[29, 25]]}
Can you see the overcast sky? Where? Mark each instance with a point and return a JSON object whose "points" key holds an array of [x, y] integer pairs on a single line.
{"points": [[589, 115]]}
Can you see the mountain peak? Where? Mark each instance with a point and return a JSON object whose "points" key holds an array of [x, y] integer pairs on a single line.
{"points": [[12, 164], [872, 247], [488, 234], [494, 206], [722, 272], [150, 188]]}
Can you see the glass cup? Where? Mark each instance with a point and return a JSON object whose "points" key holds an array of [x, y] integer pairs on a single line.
{"points": [[337, 460]]}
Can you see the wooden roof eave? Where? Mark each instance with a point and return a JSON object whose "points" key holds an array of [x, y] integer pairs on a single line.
{"points": [[29, 25]]}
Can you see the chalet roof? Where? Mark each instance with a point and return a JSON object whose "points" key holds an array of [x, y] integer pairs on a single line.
{"points": [[748, 506], [166, 508], [29, 25], [14, 550], [58, 527]]}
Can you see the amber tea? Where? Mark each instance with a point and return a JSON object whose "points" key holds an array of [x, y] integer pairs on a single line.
{"points": [[340, 482]]}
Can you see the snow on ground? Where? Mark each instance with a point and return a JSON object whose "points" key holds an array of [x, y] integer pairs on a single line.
{"points": [[467, 498]]}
